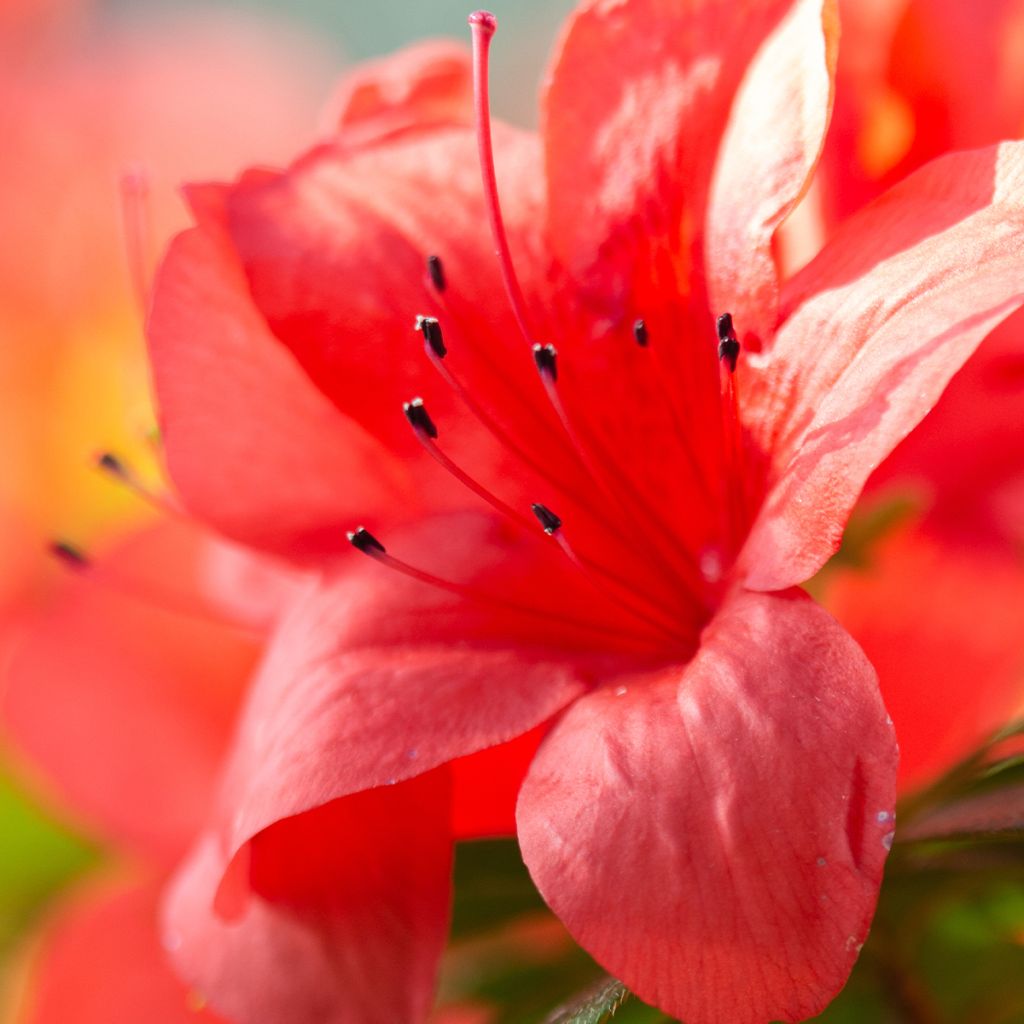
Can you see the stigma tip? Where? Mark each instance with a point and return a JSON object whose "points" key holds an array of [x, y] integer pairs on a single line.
{"points": [[483, 20]]}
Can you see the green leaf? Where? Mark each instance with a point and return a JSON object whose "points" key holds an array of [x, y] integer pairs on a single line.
{"points": [[38, 856]]}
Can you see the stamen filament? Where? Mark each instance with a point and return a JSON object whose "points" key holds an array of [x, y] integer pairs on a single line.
{"points": [[378, 554], [118, 470]]}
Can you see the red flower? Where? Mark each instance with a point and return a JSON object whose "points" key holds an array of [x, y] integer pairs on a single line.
{"points": [[710, 804]]}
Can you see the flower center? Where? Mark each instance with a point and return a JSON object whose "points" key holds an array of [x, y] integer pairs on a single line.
{"points": [[642, 563]]}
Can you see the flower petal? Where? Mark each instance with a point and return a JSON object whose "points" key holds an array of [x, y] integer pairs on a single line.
{"points": [[108, 668], [100, 962], [880, 321], [773, 139], [252, 445], [374, 678], [346, 921], [422, 86], [715, 834], [942, 626], [646, 139]]}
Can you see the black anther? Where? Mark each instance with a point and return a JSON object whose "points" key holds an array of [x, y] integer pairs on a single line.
{"points": [[69, 554], [417, 415], [640, 333], [728, 343], [110, 463], [547, 519], [546, 358], [431, 331], [435, 268], [362, 540]]}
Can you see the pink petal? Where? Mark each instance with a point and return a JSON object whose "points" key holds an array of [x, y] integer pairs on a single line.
{"points": [[773, 139], [374, 678], [645, 138], [105, 670], [714, 834], [346, 919], [880, 321], [251, 444], [100, 962]]}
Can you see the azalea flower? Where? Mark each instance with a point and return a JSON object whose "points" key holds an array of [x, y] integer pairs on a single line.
{"points": [[701, 767]]}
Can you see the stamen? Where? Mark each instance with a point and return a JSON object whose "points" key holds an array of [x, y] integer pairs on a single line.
{"points": [[426, 434], [72, 556], [117, 469], [365, 542], [547, 519], [642, 335], [619, 488], [552, 526], [142, 591], [431, 331], [362, 540], [417, 415], [728, 343], [728, 354], [483, 25], [546, 358], [435, 270]]}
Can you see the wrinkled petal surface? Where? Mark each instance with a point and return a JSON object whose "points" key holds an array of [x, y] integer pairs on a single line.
{"points": [[714, 834], [880, 322]]}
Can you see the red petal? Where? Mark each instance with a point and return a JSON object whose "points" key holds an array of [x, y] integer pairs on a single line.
{"points": [[942, 626], [962, 456], [106, 670], [347, 920], [646, 138], [884, 316], [100, 962], [253, 447], [715, 834], [424, 85], [399, 676], [335, 253], [772, 142]]}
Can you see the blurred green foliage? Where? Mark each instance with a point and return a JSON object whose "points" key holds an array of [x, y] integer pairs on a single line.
{"points": [[38, 855]]}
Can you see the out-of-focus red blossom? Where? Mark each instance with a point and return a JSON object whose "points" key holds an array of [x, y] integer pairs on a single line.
{"points": [[710, 803], [79, 107], [121, 697], [940, 610]]}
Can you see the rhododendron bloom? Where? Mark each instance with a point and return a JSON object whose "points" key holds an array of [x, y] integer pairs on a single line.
{"points": [[705, 771]]}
